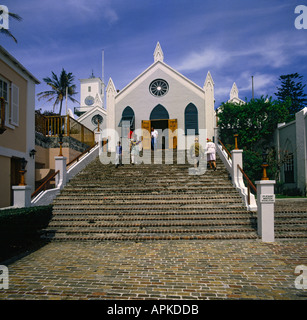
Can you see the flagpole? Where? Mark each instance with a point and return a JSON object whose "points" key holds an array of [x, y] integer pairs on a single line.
{"points": [[66, 100]]}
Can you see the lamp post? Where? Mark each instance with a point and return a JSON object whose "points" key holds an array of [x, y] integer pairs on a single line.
{"points": [[60, 142], [236, 138], [23, 171], [264, 166]]}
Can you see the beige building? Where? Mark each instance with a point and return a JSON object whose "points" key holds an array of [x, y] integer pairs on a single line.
{"points": [[17, 138]]}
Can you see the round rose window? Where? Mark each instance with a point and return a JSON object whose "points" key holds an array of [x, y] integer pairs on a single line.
{"points": [[158, 88]]}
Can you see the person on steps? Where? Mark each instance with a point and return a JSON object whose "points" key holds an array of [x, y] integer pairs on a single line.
{"points": [[154, 137], [211, 154], [196, 152], [134, 149], [118, 157]]}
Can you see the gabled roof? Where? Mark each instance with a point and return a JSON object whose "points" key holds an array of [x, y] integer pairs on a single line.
{"points": [[18, 65], [161, 65], [90, 112]]}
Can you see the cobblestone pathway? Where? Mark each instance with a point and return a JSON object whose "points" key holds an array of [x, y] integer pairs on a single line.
{"points": [[241, 269]]}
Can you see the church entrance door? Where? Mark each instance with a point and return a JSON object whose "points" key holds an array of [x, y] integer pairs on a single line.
{"points": [[167, 139]]}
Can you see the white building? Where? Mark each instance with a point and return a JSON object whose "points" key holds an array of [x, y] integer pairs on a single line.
{"points": [[162, 98], [92, 102], [234, 95], [291, 147]]}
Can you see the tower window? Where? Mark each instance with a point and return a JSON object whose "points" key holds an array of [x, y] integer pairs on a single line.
{"points": [[89, 89]]}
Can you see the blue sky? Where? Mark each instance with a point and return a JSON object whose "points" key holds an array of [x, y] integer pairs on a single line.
{"points": [[234, 40]]}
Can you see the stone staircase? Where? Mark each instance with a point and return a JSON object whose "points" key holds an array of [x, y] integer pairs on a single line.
{"points": [[147, 202], [157, 202], [291, 218]]}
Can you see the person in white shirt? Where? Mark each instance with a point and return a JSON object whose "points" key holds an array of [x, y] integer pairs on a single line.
{"points": [[211, 154], [154, 137]]}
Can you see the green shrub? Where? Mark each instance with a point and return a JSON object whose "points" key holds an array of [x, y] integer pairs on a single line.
{"points": [[23, 224]]}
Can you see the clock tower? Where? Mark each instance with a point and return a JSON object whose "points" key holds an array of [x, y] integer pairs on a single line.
{"points": [[91, 94], [92, 107]]}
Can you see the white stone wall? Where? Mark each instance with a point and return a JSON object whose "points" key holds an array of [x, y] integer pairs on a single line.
{"points": [[294, 134]]}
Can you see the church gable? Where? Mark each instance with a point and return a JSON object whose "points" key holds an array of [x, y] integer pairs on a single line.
{"points": [[163, 98], [158, 70]]}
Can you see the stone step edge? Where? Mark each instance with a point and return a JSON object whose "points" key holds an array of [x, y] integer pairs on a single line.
{"points": [[146, 224], [144, 202], [205, 211], [124, 231], [116, 218], [251, 236], [151, 197], [58, 207]]}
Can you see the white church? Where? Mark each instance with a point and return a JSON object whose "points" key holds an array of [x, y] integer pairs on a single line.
{"points": [[159, 98]]}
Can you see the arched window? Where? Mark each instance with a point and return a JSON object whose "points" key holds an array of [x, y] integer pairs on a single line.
{"points": [[128, 115], [191, 119], [159, 113]]}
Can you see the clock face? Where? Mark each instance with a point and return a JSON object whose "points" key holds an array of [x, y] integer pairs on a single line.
{"points": [[158, 88], [89, 100], [97, 118]]}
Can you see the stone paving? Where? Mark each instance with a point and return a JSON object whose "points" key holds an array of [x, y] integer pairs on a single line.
{"points": [[172, 270]]}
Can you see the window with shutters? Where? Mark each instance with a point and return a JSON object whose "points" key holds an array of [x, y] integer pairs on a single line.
{"points": [[4, 93], [191, 119], [11, 98], [15, 105]]}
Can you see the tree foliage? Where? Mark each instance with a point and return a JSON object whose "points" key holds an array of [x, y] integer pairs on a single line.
{"points": [[58, 91], [255, 123], [291, 91]]}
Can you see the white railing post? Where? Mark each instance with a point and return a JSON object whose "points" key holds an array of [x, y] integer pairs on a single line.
{"points": [[237, 177], [265, 213], [21, 196], [60, 164]]}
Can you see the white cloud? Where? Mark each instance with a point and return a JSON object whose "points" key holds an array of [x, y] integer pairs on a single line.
{"points": [[94, 8], [205, 59], [274, 51]]}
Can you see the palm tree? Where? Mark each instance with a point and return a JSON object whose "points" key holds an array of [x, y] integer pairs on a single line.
{"points": [[59, 86], [7, 31]]}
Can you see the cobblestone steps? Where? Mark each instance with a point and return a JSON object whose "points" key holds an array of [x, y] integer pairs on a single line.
{"points": [[159, 202], [291, 219], [149, 202]]}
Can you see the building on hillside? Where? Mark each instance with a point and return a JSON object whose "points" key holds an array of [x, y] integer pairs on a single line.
{"points": [[234, 95], [162, 98], [92, 113], [17, 138], [291, 147]]}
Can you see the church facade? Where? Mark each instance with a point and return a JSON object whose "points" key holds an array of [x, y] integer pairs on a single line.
{"points": [[163, 99]]}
